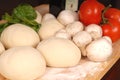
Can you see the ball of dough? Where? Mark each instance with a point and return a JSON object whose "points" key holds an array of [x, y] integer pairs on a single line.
{"points": [[19, 35], [2, 48], [39, 17], [59, 52], [22, 63], [49, 28]]}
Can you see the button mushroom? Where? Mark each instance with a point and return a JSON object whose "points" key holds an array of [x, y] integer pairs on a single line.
{"points": [[108, 38], [95, 30], [48, 16], [74, 28], [63, 34], [99, 50], [82, 39], [67, 16]]}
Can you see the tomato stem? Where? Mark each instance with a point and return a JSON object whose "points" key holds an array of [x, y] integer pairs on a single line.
{"points": [[105, 20]]}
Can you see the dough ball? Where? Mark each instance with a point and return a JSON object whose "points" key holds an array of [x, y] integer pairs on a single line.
{"points": [[49, 28], [39, 17], [59, 52], [2, 48], [19, 35], [22, 63]]}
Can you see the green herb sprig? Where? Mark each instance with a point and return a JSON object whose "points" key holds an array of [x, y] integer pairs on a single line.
{"points": [[24, 14]]}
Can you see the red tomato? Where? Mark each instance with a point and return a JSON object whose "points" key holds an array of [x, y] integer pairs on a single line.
{"points": [[112, 29], [90, 12], [113, 13]]}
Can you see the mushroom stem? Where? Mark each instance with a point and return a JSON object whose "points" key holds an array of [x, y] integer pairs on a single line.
{"points": [[83, 50]]}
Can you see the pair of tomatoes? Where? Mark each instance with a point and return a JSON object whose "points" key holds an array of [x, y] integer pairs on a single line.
{"points": [[91, 11]]}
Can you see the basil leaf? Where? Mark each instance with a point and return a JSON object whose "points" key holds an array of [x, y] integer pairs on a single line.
{"points": [[24, 11], [10, 19], [24, 14]]}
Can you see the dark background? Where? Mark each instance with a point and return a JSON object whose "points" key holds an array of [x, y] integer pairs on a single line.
{"points": [[8, 5]]}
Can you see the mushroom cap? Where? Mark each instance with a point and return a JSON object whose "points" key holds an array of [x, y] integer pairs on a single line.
{"points": [[82, 38], [99, 50], [95, 30], [62, 34], [67, 16], [48, 16], [108, 39], [74, 28]]}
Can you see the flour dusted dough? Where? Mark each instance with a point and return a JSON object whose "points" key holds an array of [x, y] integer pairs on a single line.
{"points": [[1, 48], [49, 28], [59, 52], [22, 63], [19, 35]]}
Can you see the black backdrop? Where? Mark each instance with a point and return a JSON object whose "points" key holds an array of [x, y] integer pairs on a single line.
{"points": [[8, 5]]}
